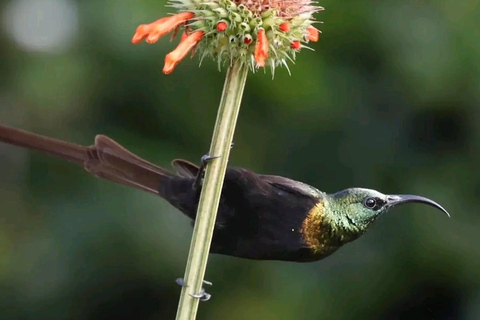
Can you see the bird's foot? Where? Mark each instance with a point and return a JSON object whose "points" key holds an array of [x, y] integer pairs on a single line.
{"points": [[206, 159], [202, 295], [182, 283]]}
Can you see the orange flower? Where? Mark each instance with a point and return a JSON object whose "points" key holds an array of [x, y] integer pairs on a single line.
{"points": [[285, 27], [312, 34], [296, 45], [155, 30], [261, 49], [174, 57], [258, 32], [159, 28]]}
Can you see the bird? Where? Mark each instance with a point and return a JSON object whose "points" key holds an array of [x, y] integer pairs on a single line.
{"points": [[260, 217]]}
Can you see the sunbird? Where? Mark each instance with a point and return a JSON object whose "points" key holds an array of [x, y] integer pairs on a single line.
{"points": [[261, 217]]}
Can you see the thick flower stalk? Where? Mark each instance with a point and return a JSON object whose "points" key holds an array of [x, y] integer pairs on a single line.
{"points": [[258, 33]]}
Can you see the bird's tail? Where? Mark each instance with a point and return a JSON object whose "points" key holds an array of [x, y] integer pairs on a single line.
{"points": [[105, 159]]}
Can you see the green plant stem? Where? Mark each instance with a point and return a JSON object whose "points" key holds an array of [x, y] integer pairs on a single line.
{"points": [[211, 189]]}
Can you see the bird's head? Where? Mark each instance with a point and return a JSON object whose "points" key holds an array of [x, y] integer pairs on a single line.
{"points": [[356, 208]]}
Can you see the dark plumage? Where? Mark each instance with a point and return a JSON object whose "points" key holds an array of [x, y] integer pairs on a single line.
{"points": [[259, 217]]}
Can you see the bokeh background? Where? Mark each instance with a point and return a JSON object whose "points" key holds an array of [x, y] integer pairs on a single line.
{"points": [[389, 100]]}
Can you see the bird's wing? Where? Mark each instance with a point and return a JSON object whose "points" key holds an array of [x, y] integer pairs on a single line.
{"points": [[185, 168], [292, 186]]}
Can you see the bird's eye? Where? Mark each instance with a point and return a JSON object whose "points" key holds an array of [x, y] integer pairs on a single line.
{"points": [[370, 203], [374, 203]]}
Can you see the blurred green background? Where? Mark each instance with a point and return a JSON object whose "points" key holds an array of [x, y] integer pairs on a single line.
{"points": [[389, 100]]}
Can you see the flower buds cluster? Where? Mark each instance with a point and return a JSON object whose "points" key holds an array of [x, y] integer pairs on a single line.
{"points": [[260, 33]]}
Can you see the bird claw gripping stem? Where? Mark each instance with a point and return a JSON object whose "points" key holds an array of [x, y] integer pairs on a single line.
{"points": [[206, 159], [202, 295]]}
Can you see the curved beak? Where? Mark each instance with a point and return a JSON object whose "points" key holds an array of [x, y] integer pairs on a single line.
{"points": [[393, 200]]}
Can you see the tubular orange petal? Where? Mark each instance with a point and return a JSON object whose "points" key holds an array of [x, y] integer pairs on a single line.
{"points": [[312, 34], [165, 25], [261, 48], [174, 57], [161, 27], [142, 32]]}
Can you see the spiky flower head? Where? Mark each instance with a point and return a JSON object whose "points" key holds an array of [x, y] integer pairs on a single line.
{"points": [[258, 32]]}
